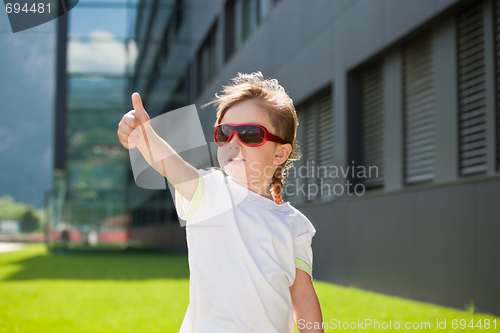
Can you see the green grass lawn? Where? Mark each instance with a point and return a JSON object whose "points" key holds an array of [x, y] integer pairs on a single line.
{"points": [[148, 292]]}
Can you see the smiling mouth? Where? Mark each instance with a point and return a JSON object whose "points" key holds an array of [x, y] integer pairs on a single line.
{"points": [[235, 159]]}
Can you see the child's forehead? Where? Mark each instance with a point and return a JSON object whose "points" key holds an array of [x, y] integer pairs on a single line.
{"points": [[247, 110]]}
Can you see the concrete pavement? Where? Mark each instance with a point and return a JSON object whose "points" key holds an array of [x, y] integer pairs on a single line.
{"points": [[7, 247]]}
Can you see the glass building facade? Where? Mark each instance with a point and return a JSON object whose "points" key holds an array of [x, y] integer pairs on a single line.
{"points": [[112, 48]]}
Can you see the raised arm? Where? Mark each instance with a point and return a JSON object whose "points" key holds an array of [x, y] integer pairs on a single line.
{"points": [[134, 130]]}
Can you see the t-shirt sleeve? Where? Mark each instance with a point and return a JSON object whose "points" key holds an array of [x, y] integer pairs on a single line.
{"points": [[186, 208], [302, 243], [200, 207]]}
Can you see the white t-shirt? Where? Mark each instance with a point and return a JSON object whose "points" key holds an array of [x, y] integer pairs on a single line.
{"points": [[243, 251]]}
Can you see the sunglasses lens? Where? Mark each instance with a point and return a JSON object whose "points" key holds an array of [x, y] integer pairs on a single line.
{"points": [[251, 135], [248, 134], [220, 136]]}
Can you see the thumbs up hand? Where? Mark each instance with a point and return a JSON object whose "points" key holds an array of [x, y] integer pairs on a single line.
{"points": [[140, 112], [134, 125], [135, 130]]}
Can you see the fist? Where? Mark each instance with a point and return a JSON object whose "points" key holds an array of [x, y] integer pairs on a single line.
{"points": [[131, 127]]}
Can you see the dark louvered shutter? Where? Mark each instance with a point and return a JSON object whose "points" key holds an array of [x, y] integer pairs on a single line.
{"points": [[298, 177], [419, 110], [325, 146], [471, 92], [315, 138], [497, 60], [373, 126], [309, 148]]}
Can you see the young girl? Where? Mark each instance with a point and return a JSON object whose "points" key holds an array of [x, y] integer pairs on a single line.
{"points": [[250, 254]]}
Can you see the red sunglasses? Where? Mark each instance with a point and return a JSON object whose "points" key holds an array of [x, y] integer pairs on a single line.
{"points": [[251, 135]]}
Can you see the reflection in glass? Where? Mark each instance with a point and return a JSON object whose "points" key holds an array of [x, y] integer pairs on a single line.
{"points": [[92, 128], [106, 62], [82, 21], [96, 94], [108, 56], [93, 169], [250, 17]]}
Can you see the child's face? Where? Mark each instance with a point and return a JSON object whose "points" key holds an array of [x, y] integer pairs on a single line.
{"points": [[259, 163]]}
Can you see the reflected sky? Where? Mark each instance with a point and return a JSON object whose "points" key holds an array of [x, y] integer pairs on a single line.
{"points": [[95, 34], [83, 20], [101, 37]]}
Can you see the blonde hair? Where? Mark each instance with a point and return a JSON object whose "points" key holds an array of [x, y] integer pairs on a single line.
{"points": [[280, 108]]}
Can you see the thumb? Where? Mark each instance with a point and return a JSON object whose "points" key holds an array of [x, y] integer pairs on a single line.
{"points": [[140, 112]]}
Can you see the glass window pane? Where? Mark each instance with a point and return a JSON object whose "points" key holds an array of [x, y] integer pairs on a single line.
{"points": [[95, 172], [90, 129], [108, 56], [98, 94], [85, 22], [250, 17], [159, 94]]}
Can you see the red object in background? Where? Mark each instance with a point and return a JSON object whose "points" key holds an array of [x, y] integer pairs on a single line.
{"points": [[75, 235], [117, 221], [105, 236], [119, 236]]}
